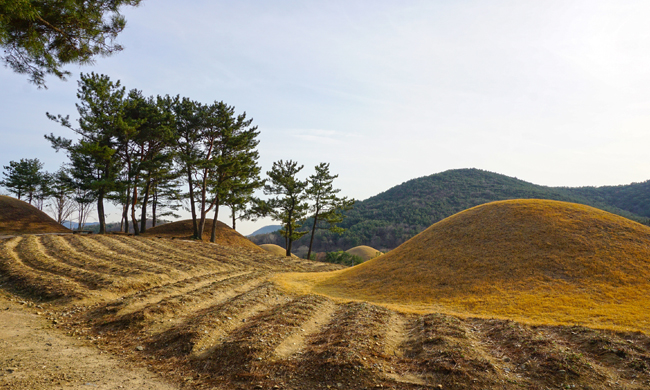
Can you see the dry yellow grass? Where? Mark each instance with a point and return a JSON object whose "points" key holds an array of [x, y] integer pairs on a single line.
{"points": [[225, 235], [535, 261], [275, 249], [365, 252], [18, 217]]}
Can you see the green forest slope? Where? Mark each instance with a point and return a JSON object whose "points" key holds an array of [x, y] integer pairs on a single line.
{"points": [[388, 219]]}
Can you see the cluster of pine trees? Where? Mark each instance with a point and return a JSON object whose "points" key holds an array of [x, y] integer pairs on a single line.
{"points": [[137, 151], [151, 155]]}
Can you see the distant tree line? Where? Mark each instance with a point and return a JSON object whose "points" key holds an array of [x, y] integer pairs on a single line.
{"points": [[150, 156], [388, 219]]}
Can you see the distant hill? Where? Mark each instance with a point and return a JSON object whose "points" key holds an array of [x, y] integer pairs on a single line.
{"points": [[265, 230], [73, 225], [388, 219], [18, 217]]}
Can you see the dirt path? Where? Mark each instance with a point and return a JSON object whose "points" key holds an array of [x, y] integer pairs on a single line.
{"points": [[33, 355]]}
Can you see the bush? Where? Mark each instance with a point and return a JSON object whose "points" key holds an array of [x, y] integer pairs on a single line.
{"points": [[342, 257]]}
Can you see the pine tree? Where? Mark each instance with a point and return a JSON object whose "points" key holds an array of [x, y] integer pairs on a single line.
{"points": [[94, 159], [289, 204], [39, 37], [327, 206], [23, 178]]}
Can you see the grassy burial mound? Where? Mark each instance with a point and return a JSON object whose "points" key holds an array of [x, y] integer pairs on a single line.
{"points": [[275, 249], [533, 260], [18, 217], [183, 229], [365, 252]]}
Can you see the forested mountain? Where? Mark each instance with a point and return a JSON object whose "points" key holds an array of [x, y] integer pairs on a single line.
{"points": [[386, 220]]}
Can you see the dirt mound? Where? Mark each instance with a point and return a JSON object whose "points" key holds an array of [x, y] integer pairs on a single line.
{"points": [[183, 229], [533, 260], [18, 217], [365, 252], [275, 249]]}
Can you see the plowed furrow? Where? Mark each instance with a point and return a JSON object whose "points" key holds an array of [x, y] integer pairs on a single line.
{"points": [[58, 248], [158, 246], [349, 348], [96, 248], [256, 340], [32, 255], [174, 308], [130, 247], [440, 350], [294, 343], [157, 293], [625, 354], [34, 282], [208, 327], [534, 356], [217, 255]]}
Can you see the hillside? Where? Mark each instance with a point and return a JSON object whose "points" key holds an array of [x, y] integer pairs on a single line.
{"points": [[531, 260], [225, 235], [207, 316], [265, 230], [388, 219], [18, 217]]}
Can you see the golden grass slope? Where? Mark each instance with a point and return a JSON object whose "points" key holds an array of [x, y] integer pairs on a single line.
{"points": [[539, 261], [18, 217], [275, 249], [365, 252], [183, 229]]}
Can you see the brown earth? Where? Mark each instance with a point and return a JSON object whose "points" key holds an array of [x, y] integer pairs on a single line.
{"points": [[36, 355], [225, 235], [18, 217], [207, 316]]}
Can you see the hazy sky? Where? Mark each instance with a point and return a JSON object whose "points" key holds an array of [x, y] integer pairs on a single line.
{"points": [[552, 92]]}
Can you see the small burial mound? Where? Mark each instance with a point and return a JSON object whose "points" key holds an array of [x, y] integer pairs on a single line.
{"points": [[538, 261], [275, 249], [365, 252], [184, 229], [18, 217]]}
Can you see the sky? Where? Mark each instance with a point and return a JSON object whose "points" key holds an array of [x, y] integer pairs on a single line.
{"points": [[555, 93]]}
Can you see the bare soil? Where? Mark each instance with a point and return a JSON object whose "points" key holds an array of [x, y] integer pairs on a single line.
{"points": [[36, 355]]}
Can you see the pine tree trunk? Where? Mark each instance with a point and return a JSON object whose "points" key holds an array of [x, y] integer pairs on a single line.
{"points": [[213, 234], [134, 201], [192, 205], [311, 241], [154, 205], [100, 211], [145, 200], [125, 212]]}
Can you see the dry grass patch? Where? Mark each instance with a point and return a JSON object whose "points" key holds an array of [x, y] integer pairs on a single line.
{"points": [[275, 249], [536, 261], [365, 252], [225, 235]]}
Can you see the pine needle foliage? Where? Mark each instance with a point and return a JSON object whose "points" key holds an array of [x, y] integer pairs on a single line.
{"points": [[40, 37]]}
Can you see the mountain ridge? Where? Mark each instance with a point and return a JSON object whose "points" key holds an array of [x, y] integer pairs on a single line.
{"points": [[388, 219]]}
